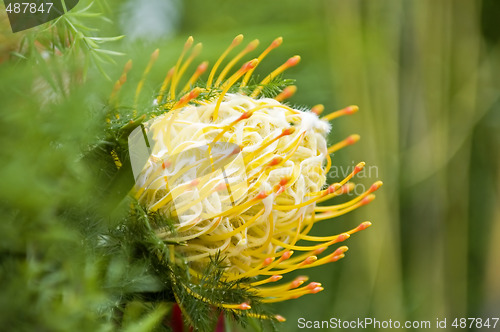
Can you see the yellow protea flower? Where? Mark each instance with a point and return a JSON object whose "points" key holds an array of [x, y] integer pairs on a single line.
{"points": [[241, 174]]}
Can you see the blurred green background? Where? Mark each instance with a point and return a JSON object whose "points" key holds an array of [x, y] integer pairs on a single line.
{"points": [[426, 76]]}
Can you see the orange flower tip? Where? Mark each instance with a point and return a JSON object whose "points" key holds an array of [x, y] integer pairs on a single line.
{"points": [[290, 90], [287, 131], [302, 278], [275, 161], [367, 199], [194, 183], [262, 195], [359, 167], [318, 109], [277, 42], [194, 93], [245, 115], [317, 290], [189, 43], [342, 237], [284, 180], [128, 66], [296, 283], [268, 261], [122, 79], [220, 187], [237, 40], [336, 258], [293, 61], [319, 250], [332, 188], [364, 225], [280, 319], [286, 255], [286, 93], [236, 150], [252, 45], [347, 188], [310, 260], [351, 109], [376, 185], [250, 65], [352, 139], [244, 306], [340, 250], [313, 285], [276, 277], [202, 67], [155, 54], [171, 71], [166, 164]]}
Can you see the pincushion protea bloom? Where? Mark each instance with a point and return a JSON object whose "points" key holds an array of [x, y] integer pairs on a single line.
{"points": [[240, 174]]}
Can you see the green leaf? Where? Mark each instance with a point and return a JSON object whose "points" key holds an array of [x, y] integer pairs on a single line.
{"points": [[109, 52], [106, 39]]}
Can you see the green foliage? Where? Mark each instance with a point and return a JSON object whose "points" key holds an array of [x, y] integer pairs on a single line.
{"points": [[72, 36], [269, 90], [45, 272]]}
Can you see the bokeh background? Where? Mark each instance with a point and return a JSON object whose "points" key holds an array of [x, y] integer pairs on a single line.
{"points": [[426, 76]]}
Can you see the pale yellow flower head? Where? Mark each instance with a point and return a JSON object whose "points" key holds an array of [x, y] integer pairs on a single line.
{"points": [[240, 174], [268, 163]]}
